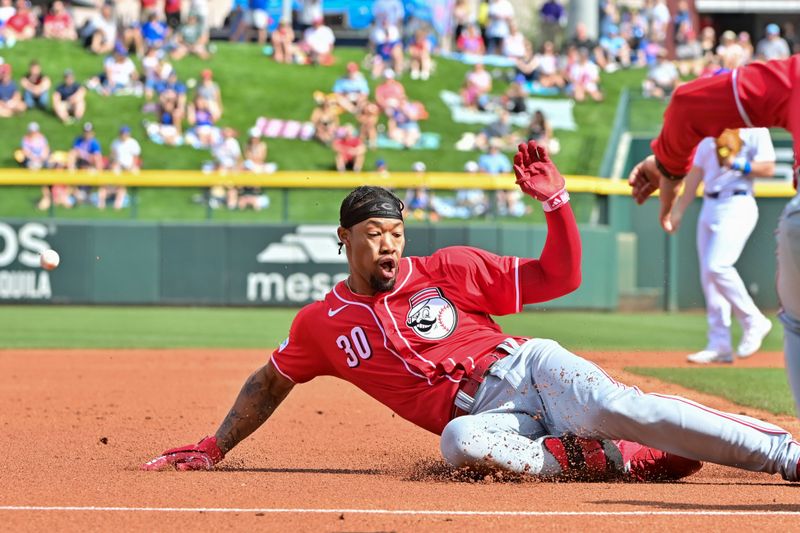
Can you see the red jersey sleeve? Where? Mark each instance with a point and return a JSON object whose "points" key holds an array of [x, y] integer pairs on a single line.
{"points": [[298, 358], [489, 283], [757, 95]]}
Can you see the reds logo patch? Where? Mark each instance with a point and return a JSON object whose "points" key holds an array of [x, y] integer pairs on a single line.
{"points": [[431, 315]]}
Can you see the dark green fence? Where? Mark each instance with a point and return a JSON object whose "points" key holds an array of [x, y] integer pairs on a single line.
{"points": [[235, 264]]}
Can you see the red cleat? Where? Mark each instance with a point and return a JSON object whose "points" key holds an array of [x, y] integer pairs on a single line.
{"points": [[642, 463]]}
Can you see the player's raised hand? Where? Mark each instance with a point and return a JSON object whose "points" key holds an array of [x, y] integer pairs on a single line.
{"points": [[536, 175], [645, 179], [201, 456]]}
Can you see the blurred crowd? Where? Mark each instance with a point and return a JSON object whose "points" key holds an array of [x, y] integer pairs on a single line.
{"points": [[507, 66]]}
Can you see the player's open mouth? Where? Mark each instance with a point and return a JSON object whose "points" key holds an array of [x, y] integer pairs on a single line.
{"points": [[388, 267]]}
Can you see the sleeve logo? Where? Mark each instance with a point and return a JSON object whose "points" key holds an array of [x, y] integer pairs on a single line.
{"points": [[431, 315]]}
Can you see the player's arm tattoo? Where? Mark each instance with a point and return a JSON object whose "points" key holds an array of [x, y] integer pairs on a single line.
{"points": [[261, 394]]}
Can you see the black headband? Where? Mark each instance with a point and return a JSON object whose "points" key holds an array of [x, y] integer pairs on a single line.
{"points": [[381, 207]]}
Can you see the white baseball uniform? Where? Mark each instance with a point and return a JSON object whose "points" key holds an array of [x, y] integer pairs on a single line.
{"points": [[727, 219]]}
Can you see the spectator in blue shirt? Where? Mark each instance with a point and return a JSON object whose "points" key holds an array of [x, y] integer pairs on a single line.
{"points": [[259, 19], [494, 161], [86, 152], [154, 32], [351, 90], [240, 13], [10, 99]]}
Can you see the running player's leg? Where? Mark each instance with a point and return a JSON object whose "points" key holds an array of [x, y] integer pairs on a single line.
{"points": [[788, 284], [736, 220], [578, 397], [718, 310]]}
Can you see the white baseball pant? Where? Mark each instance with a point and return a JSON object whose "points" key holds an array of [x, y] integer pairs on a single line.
{"points": [[543, 389], [788, 284], [723, 228]]}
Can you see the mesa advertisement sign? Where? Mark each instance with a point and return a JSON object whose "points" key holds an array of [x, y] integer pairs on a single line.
{"points": [[21, 277]]}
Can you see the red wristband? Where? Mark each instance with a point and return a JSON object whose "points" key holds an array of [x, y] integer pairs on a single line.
{"points": [[556, 201]]}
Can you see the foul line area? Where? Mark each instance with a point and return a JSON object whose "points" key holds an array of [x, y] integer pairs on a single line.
{"points": [[407, 512]]}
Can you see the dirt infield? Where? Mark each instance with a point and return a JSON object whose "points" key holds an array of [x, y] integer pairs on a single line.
{"points": [[76, 425]]}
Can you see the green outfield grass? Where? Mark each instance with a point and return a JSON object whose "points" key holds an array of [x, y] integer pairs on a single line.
{"points": [[761, 388], [182, 327]]}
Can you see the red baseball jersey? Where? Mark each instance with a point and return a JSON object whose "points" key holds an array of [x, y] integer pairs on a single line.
{"points": [[757, 95], [410, 347]]}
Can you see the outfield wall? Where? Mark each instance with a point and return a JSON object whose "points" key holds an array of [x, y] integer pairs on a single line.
{"points": [[219, 264]]}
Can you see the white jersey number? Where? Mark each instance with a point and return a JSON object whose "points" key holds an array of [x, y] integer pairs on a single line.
{"points": [[359, 341]]}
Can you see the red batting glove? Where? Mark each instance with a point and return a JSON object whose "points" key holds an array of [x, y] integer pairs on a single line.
{"points": [[201, 456], [537, 176]]}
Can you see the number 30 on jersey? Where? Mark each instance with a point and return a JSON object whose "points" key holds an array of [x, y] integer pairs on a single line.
{"points": [[356, 346]]}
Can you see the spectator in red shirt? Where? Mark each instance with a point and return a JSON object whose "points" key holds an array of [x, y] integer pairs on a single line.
{"points": [[390, 93], [350, 150], [470, 41], [283, 42], [172, 12], [147, 8], [22, 25], [58, 23]]}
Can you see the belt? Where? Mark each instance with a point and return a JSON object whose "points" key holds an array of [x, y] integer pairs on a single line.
{"points": [[470, 383], [715, 195]]}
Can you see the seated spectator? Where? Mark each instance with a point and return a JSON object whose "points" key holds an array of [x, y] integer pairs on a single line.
{"points": [[209, 91], [125, 154], [417, 201], [584, 77], [227, 154], [317, 44], [527, 66], [514, 42], [155, 71], [283, 42], [616, 48], [662, 79], [386, 45], [368, 119], [202, 121], [500, 13], [119, 75], [239, 18], [259, 20], [58, 196], [102, 31], [349, 150], [419, 52], [688, 51], [747, 46], [11, 101], [470, 41], [513, 100], [473, 202], [539, 129], [147, 8], [772, 46], [325, 119], [154, 32], [351, 90], [255, 155], [389, 93], [581, 40], [34, 150], [498, 132], [549, 74], [7, 11], [22, 24], [168, 127], [404, 123], [58, 23], [172, 13], [35, 87], [173, 92], [86, 151], [191, 38], [476, 88], [69, 99], [494, 161], [730, 51]]}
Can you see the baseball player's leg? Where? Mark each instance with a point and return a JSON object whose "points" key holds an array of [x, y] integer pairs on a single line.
{"points": [[788, 285], [578, 397], [737, 219], [718, 310]]}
